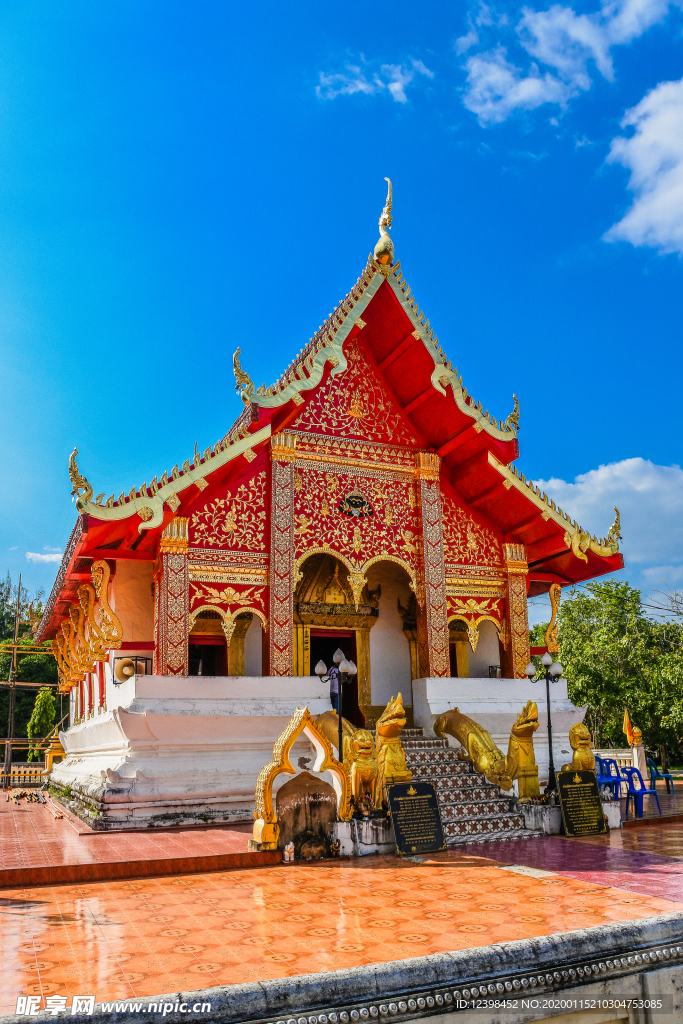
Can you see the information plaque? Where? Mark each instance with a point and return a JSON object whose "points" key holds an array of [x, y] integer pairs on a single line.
{"points": [[415, 817], [581, 803]]}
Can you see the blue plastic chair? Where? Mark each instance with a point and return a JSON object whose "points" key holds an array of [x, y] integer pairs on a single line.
{"points": [[611, 776], [601, 774], [664, 776], [636, 791]]}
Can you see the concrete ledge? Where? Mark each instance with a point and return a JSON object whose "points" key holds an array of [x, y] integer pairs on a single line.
{"points": [[60, 874], [362, 990]]}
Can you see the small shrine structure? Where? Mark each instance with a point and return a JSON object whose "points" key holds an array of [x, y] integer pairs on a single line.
{"points": [[364, 500]]}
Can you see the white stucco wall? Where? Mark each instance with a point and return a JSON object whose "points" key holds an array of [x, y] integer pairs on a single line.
{"points": [[253, 649], [487, 653], [131, 598], [389, 648]]}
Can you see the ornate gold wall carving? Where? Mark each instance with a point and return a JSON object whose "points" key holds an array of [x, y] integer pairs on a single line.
{"points": [[174, 612], [432, 621], [516, 567], [237, 520], [466, 540], [283, 452]]}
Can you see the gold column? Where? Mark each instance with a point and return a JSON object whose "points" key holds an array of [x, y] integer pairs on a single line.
{"points": [[517, 570], [462, 659], [432, 619], [236, 646], [283, 453], [173, 622], [363, 677], [302, 650]]}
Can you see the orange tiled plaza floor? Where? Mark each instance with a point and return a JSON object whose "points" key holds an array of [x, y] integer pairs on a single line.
{"points": [[147, 937]]}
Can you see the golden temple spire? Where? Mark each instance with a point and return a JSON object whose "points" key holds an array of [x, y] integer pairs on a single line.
{"points": [[384, 249]]}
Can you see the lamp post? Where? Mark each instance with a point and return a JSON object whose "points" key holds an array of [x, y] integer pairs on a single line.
{"points": [[346, 670], [553, 670]]}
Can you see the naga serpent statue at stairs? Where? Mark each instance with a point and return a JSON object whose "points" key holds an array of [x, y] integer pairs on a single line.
{"points": [[479, 748]]}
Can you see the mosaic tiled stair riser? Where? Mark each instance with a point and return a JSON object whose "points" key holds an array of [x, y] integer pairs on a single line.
{"points": [[472, 809]]}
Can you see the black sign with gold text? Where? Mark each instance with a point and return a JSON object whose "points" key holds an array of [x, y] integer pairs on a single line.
{"points": [[581, 804], [415, 816]]}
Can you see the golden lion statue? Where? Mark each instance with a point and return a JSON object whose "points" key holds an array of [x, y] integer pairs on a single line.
{"points": [[521, 761], [486, 757], [371, 769], [391, 760], [581, 743], [363, 768]]}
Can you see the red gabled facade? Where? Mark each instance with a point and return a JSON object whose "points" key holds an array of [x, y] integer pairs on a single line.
{"points": [[368, 448]]}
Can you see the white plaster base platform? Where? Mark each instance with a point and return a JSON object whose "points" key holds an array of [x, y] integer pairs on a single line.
{"points": [[180, 750], [356, 837], [495, 704]]}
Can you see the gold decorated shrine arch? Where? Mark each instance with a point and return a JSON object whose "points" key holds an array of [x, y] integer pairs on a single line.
{"points": [[367, 452]]}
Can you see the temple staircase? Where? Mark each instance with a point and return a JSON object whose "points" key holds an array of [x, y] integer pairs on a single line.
{"points": [[472, 809]]}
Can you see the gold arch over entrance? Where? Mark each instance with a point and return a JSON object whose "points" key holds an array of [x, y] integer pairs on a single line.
{"points": [[331, 593], [266, 828]]}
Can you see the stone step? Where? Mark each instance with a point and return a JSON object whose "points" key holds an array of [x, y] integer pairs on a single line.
{"points": [[453, 795], [488, 809], [460, 839], [443, 755], [443, 771], [424, 744], [483, 825]]}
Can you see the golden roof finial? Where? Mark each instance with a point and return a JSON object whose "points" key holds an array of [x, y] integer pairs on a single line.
{"points": [[384, 250], [80, 483]]}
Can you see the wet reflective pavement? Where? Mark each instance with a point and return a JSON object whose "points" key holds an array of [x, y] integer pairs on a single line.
{"points": [[37, 848], [122, 939]]}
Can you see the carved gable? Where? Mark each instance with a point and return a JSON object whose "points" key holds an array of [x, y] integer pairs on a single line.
{"points": [[353, 404]]}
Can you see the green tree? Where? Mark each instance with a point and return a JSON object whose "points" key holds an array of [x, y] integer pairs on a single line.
{"points": [[616, 658], [40, 667], [42, 719]]}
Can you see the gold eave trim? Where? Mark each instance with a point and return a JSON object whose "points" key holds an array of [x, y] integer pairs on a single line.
{"points": [[155, 503], [331, 352], [534, 495], [576, 538]]}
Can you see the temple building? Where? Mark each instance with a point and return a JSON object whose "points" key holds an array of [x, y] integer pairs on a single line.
{"points": [[365, 500]]}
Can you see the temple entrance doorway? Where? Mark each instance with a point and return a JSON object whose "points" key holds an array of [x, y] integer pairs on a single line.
{"points": [[208, 657], [328, 616], [324, 642]]}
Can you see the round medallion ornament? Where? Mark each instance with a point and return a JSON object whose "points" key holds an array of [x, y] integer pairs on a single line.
{"points": [[355, 505]]}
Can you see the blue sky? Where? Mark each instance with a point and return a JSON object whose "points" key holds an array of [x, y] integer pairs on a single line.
{"points": [[179, 179]]}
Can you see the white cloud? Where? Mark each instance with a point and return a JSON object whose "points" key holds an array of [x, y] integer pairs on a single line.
{"points": [[495, 87], [15, 548], [650, 499], [46, 547], [654, 155], [567, 43], [389, 78], [34, 557]]}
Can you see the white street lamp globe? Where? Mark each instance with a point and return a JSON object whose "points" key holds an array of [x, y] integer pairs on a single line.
{"points": [[320, 668], [352, 668], [344, 667], [546, 660], [556, 670], [530, 670], [338, 656]]}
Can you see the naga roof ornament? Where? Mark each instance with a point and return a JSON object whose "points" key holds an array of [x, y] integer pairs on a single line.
{"points": [[384, 249], [79, 483]]}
